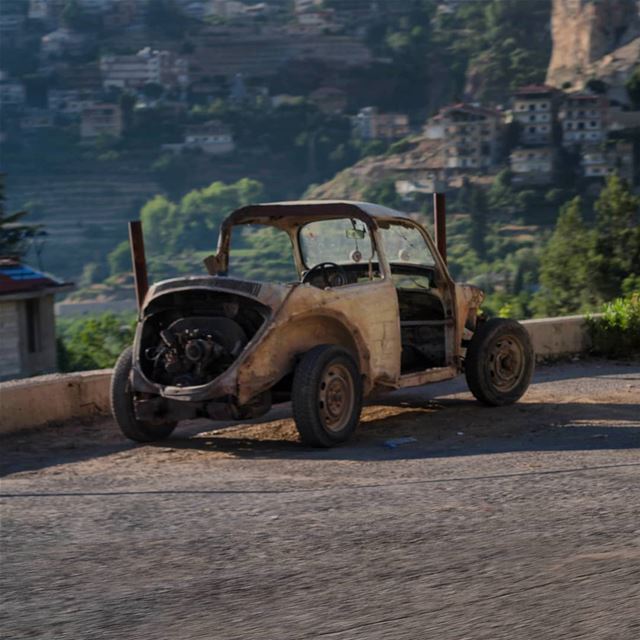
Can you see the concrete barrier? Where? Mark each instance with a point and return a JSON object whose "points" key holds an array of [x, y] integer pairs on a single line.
{"points": [[34, 402], [557, 337]]}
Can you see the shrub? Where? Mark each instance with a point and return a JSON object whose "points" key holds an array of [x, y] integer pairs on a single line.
{"points": [[93, 342], [616, 334]]}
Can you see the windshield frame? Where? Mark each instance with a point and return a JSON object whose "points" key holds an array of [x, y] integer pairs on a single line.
{"points": [[365, 259]]}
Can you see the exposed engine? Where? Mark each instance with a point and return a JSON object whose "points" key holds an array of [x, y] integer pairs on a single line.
{"points": [[195, 350], [191, 338]]}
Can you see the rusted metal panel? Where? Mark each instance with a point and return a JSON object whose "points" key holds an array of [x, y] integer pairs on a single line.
{"points": [[139, 261], [440, 224], [363, 318]]}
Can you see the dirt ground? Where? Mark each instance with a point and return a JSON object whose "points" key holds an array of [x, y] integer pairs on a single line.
{"points": [[512, 522]]}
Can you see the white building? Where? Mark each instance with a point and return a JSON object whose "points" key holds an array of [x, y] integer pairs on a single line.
{"points": [[470, 136], [370, 124], [147, 66], [12, 94], [583, 117], [213, 138], [69, 102], [101, 119], [533, 165], [62, 41], [534, 108], [600, 160]]}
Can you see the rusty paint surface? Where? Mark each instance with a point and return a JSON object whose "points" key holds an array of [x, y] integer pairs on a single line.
{"points": [[363, 318]]}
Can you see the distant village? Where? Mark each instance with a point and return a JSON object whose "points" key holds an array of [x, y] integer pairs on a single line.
{"points": [[532, 136]]}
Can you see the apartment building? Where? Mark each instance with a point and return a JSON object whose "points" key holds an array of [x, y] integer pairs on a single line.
{"points": [[213, 138], [370, 124], [101, 119], [583, 118], [534, 108], [533, 165], [600, 160], [69, 102], [470, 136], [146, 66], [12, 94]]}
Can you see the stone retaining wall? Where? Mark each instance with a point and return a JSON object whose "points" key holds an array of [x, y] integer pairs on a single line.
{"points": [[51, 399]]}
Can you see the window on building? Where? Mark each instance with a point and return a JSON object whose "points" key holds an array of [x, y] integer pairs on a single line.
{"points": [[532, 129], [34, 340], [532, 107]]}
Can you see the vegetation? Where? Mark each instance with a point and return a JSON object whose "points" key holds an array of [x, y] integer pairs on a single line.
{"points": [[15, 235], [616, 334], [582, 267], [93, 342]]}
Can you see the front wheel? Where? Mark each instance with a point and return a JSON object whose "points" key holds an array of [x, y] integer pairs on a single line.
{"points": [[326, 396], [499, 363], [122, 405]]}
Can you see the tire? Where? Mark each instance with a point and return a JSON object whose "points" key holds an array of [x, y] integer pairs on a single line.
{"points": [[499, 362], [325, 420], [122, 405]]}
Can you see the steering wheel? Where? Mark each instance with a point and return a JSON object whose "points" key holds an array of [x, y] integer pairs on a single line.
{"points": [[336, 279]]}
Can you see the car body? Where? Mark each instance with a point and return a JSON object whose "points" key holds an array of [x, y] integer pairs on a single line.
{"points": [[223, 347]]}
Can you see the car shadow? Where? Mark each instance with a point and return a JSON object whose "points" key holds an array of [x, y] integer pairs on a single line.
{"points": [[454, 427], [439, 420]]}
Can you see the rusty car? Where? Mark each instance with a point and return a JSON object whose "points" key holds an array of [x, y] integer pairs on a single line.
{"points": [[372, 308]]}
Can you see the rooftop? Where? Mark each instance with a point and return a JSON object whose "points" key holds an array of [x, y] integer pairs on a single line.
{"points": [[19, 278], [535, 89], [310, 209]]}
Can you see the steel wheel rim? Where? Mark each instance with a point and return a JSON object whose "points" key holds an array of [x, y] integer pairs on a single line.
{"points": [[336, 397], [506, 363]]}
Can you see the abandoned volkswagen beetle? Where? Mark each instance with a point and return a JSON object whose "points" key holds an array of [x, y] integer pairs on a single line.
{"points": [[373, 308]]}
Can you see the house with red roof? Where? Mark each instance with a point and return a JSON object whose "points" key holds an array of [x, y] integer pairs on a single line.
{"points": [[27, 320]]}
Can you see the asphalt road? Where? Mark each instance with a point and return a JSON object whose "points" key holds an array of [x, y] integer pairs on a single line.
{"points": [[521, 522]]}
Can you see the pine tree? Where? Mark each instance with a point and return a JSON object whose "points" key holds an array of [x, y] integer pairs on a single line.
{"points": [[564, 265], [617, 245]]}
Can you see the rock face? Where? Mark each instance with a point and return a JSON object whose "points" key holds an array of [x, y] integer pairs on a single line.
{"points": [[584, 32]]}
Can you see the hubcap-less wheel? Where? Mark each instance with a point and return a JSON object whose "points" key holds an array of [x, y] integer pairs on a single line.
{"points": [[506, 362], [326, 396], [336, 397], [499, 362]]}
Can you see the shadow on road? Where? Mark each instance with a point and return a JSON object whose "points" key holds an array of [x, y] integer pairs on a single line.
{"points": [[443, 418], [455, 428]]}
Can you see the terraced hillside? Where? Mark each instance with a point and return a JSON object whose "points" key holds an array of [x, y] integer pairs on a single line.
{"points": [[84, 210]]}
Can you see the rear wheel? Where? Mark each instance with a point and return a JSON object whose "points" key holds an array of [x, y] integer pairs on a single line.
{"points": [[122, 405], [499, 362], [326, 396]]}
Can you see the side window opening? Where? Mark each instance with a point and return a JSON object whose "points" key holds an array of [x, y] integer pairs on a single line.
{"points": [[422, 312], [261, 252]]}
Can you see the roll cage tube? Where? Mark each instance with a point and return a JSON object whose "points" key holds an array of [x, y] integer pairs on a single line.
{"points": [[218, 264]]}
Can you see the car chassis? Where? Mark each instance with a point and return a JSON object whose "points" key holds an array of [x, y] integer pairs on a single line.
{"points": [[224, 348]]}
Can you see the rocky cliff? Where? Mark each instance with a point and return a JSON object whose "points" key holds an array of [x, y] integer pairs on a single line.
{"points": [[590, 34]]}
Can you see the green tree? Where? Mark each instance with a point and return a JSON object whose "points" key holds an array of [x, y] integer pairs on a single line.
{"points": [[120, 259], [633, 87], [565, 279], [158, 218], [384, 193], [617, 246], [15, 235], [473, 200], [93, 342]]}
